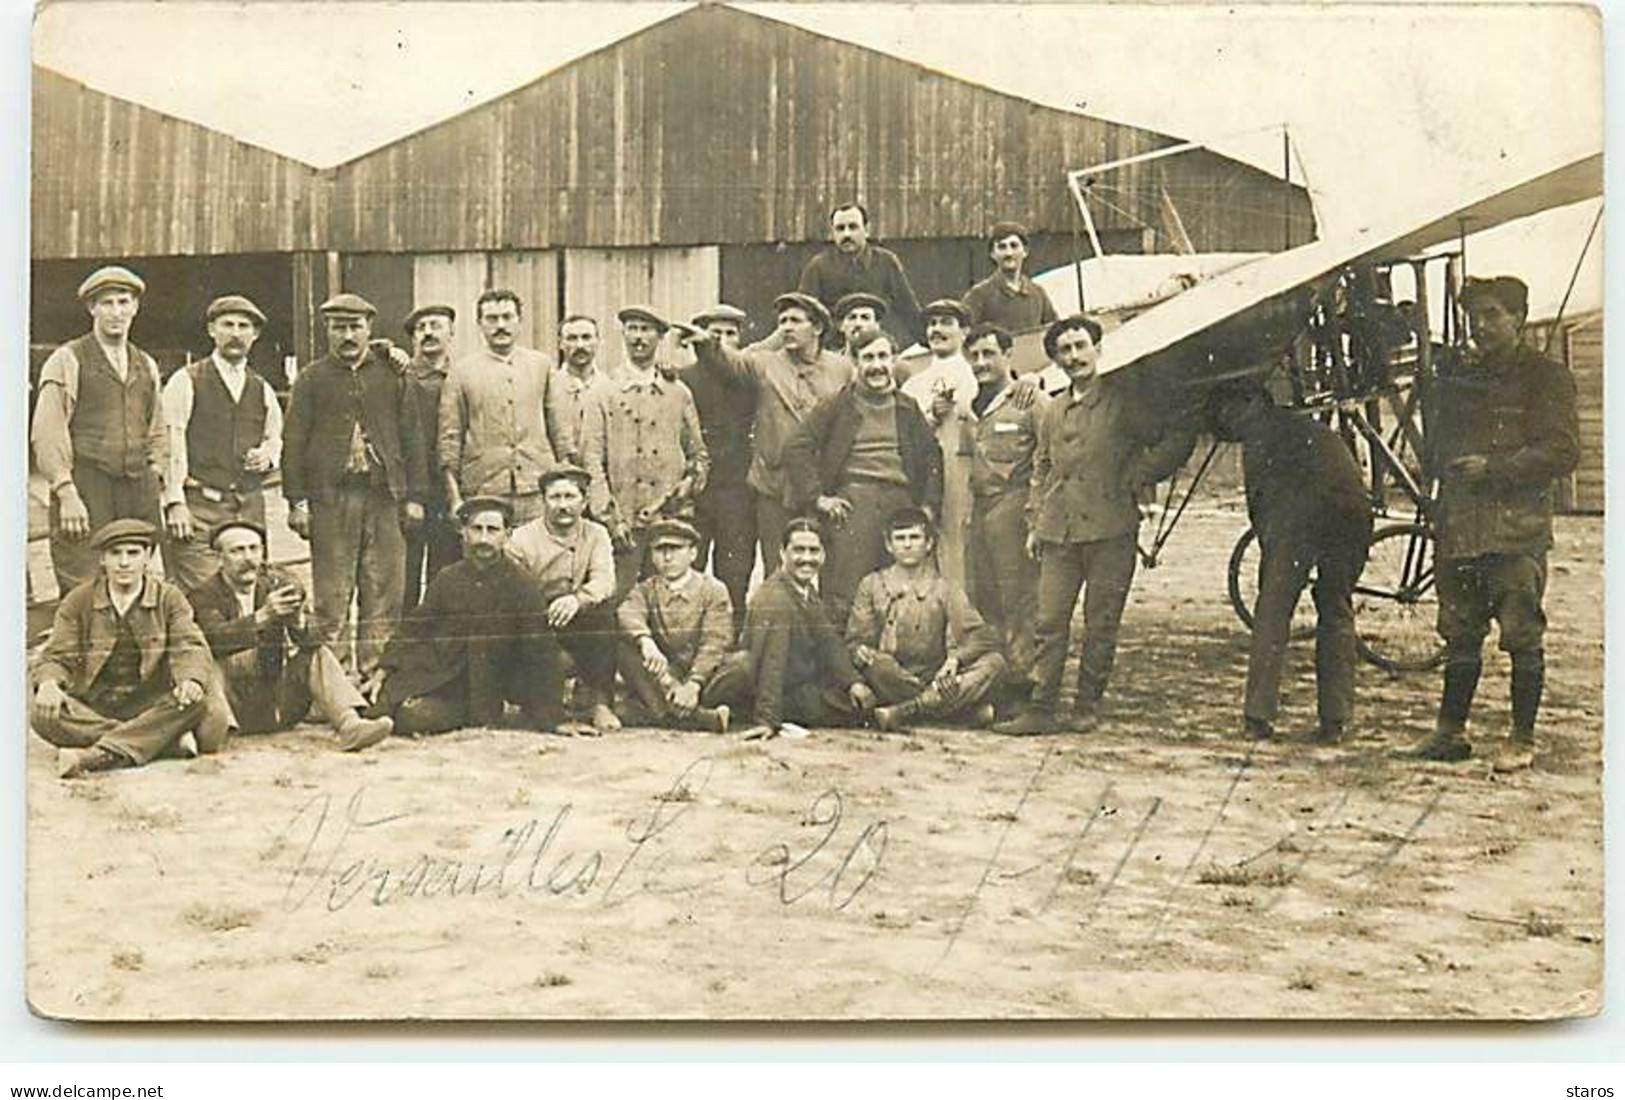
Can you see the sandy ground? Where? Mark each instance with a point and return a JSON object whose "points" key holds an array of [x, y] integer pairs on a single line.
{"points": [[1160, 867]]}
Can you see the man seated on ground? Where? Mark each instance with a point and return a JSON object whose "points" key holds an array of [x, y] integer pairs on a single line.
{"points": [[794, 664], [476, 642], [915, 637], [124, 675], [676, 628], [273, 664], [571, 565]]}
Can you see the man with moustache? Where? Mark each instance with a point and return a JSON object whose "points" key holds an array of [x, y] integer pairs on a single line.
{"points": [[725, 510], [852, 313], [1009, 298], [355, 471], [98, 430], [577, 377], [476, 642], [859, 456], [570, 562], [943, 387], [786, 375], [854, 263], [438, 542], [225, 435], [643, 447], [1097, 449], [273, 667], [493, 421]]}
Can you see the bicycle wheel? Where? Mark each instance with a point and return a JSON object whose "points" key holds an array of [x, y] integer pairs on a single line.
{"points": [[1396, 603], [1243, 587]]}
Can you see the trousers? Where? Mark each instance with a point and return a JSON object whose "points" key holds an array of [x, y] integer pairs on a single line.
{"points": [[893, 684], [1003, 579], [856, 546], [806, 704], [1506, 588], [771, 519], [726, 519], [190, 562], [313, 676], [650, 692], [1104, 570], [429, 549], [138, 729], [357, 552], [106, 497]]}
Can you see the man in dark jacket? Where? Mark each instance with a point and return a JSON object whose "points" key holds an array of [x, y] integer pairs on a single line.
{"points": [[477, 641], [853, 263], [355, 471], [859, 456], [438, 542], [1501, 427], [1308, 505], [271, 663]]}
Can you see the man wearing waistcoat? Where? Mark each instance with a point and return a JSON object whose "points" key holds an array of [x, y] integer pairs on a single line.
{"points": [[98, 431]]}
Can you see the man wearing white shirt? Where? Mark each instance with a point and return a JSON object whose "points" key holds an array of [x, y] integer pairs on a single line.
{"points": [[225, 434], [944, 387]]}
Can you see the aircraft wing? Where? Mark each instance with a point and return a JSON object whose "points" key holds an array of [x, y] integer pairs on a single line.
{"points": [[1271, 281]]}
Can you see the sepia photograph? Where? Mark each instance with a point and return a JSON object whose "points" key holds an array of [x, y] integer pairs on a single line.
{"points": [[814, 512]]}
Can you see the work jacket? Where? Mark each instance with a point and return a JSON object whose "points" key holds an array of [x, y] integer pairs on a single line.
{"points": [[86, 627], [815, 456]]}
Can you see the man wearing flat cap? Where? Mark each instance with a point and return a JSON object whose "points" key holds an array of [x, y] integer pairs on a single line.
{"points": [[1502, 425], [126, 675], [274, 668], [98, 430], [642, 444], [676, 628], [355, 471], [853, 262], [225, 434], [476, 642], [438, 542], [786, 375], [852, 313], [1009, 298], [943, 386]]}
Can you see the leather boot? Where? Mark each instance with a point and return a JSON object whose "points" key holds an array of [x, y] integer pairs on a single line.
{"points": [[1449, 741], [923, 705], [1528, 682]]}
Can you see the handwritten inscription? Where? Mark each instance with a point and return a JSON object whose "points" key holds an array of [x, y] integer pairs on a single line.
{"points": [[794, 876]]}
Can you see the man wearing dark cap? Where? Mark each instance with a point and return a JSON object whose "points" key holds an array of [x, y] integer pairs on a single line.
{"points": [[1502, 425], [124, 676], [273, 666], [641, 443], [476, 642], [98, 430], [355, 471], [943, 386], [725, 510], [852, 313], [438, 542], [225, 434], [1008, 297], [1098, 448], [854, 263], [787, 374], [569, 561], [676, 628]]}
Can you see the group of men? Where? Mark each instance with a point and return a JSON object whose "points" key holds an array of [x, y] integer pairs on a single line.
{"points": [[521, 539]]}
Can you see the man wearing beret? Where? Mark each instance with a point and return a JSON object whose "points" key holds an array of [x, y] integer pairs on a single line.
{"points": [[1008, 297], [98, 431], [852, 313], [787, 374], [642, 444], [476, 642], [355, 471], [1502, 426], [854, 263], [124, 676], [225, 435], [272, 665], [438, 542], [943, 386], [676, 628]]}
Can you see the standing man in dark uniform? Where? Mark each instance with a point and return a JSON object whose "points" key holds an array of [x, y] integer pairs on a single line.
{"points": [[438, 542], [98, 430], [854, 263], [1008, 297], [1307, 501], [1501, 427]]}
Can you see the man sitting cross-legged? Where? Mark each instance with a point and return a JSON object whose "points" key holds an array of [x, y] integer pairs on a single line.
{"points": [[476, 642], [916, 638], [274, 666], [676, 627]]}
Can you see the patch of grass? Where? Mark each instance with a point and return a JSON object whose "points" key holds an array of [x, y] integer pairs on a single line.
{"points": [[552, 980], [1302, 980], [1540, 927], [317, 954], [1237, 901], [1000, 815], [382, 971], [1245, 874], [1080, 876], [218, 918], [679, 793], [128, 958]]}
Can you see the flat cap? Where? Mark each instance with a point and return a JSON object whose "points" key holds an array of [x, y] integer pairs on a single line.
{"points": [[858, 299], [421, 312], [234, 303], [670, 531], [349, 304], [1067, 324], [565, 471], [473, 506], [1004, 229], [809, 305], [124, 530], [236, 522], [1511, 292], [111, 278], [643, 313], [948, 307], [722, 311]]}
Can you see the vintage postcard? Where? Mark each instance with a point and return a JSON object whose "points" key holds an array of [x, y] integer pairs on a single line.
{"points": [[815, 511]]}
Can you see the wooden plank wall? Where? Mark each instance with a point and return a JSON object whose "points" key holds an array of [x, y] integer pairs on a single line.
{"points": [[1584, 355], [534, 276], [676, 282], [454, 279]]}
